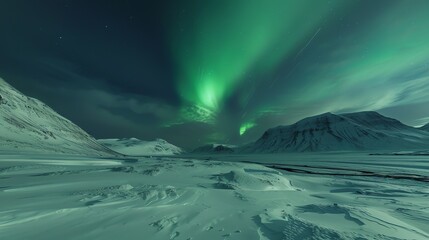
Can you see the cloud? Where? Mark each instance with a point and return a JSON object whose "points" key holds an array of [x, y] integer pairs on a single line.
{"points": [[134, 104]]}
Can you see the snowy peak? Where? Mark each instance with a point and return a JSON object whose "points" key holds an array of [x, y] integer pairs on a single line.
{"points": [[376, 120], [319, 122], [137, 147], [28, 125], [331, 132]]}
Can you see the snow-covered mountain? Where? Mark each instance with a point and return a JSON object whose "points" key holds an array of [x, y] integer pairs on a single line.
{"points": [[425, 127], [352, 131], [137, 147], [214, 148], [28, 125]]}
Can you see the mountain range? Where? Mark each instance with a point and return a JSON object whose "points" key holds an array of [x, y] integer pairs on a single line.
{"points": [[343, 132], [28, 125]]}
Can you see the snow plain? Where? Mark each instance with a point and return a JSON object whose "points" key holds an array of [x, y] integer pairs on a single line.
{"points": [[298, 196]]}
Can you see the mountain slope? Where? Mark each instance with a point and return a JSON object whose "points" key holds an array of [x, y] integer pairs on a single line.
{"points": [[330, 132], [28, 125], [137, 147]]}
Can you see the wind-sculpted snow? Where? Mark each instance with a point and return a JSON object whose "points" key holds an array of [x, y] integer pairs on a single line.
{"points": [[345, 132], [250, 179], [147, 195], [177, 198], [28, 125]]}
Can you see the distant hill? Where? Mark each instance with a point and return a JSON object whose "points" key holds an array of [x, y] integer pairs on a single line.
{"points": [[137, 147], [331, 132], [29, 126], [214, 148]]}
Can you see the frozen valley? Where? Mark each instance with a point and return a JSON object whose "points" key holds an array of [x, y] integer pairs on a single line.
{"points": [[69, 197], [58, 182]]}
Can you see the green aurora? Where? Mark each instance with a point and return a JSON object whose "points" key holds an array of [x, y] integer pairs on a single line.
{"points": [[377, 57], [216, 48], [246, 126], [229, 39], [217, 71]]}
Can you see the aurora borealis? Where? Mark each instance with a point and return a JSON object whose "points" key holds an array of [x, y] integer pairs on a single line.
{"points": [[227, 41], [194, 72]]}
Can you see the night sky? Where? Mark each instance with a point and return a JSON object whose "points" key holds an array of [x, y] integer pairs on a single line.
{"points": [[194, 72]]}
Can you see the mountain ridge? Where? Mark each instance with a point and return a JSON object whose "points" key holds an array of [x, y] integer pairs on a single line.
{"points": [[29, 125], [137, 147], [215, 148], [336, 132]]}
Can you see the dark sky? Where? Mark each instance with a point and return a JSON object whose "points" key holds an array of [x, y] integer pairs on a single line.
{"points": [[194, 72]]}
